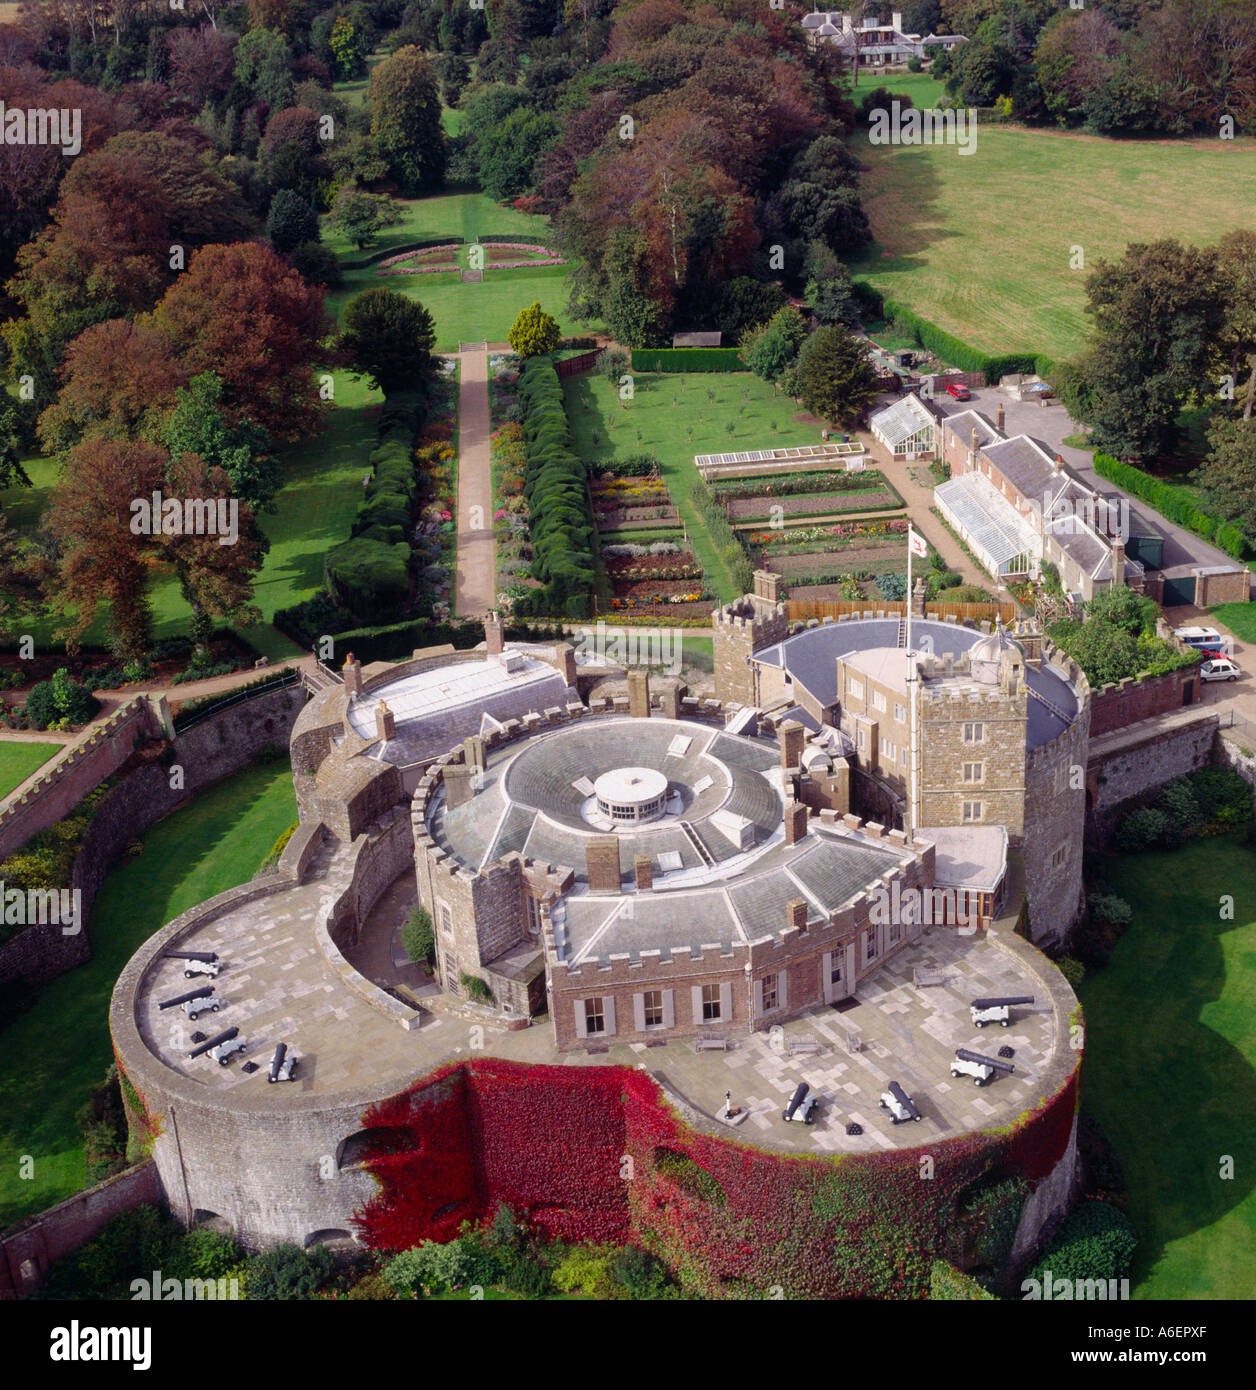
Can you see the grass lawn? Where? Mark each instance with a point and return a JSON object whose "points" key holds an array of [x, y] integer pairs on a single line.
{"points": [[925, 91], [980, 244], [1240, 618], [593, 405], [19, 759], [1170, 1068], [465, 215], [52, 1056]]}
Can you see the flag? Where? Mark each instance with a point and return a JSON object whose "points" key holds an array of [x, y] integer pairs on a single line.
{"points": [[917, 544]]}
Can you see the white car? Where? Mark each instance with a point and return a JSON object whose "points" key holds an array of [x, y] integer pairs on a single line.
{"points": [[1219, 669]]}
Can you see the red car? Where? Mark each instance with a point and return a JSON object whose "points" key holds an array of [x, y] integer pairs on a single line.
{"points": [[959, 391]]}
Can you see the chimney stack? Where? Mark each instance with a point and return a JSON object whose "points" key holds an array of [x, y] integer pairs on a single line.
{"points": [[643, 869], [1000, 418], [494, 634], [352, 674], [1118, 563], [385, 723], [793, 740], [602, 863], [639, 694], [795, 822], [796, 913]]}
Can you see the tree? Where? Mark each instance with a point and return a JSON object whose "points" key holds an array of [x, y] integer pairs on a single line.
{"points": [[406, 120], [742, 303], [263, 67], [388, 337], [506, 162], [362, 216], [201, 64], [1227, 476], [1236, 341], [245, 313], [534, 332], [317, 264], [241, 451], [1157, 318], [417, 935], [834, 378], [290, 221]]}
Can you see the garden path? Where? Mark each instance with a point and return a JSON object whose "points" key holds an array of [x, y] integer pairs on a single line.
{"points": [[475, 581]]}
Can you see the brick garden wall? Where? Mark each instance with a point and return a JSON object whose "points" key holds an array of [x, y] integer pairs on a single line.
{"points": [[1115, 706]]}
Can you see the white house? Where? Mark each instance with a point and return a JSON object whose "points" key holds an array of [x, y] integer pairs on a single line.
{"points": [[878, 42]]}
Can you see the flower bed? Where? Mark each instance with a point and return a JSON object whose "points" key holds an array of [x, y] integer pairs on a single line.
{"points": [[812, 504], [778, 485], [395, 265], [840, 536], [536, 255]]}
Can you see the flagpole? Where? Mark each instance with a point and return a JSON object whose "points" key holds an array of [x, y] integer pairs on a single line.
{"points": [[909, 586]]}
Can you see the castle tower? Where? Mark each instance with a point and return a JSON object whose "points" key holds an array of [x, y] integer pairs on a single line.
{"points": [[739, 630]]}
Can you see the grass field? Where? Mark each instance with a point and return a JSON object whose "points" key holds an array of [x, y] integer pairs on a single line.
{"points": [[980, 244], [18, 759], [463, 312], [1240, 618], [924, 90], [593, 406], [52, 1056], [1170, 1059]]}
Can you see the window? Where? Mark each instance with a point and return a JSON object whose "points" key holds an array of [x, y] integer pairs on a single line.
{"points": [[972, 811], [534, 914], [888, 750], [445, 918], [710, 1003], [653, 1004], [902, 756], [878, 701], [594, 1016], [1060, 857], [863, 740], [769, 993], [900, 714], [974, 733], [974, 772], [870, 944], [835, 969], [854, 689], [896, 931]]}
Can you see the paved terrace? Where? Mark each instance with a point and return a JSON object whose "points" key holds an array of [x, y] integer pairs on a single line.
{"points": [[277, 986]]}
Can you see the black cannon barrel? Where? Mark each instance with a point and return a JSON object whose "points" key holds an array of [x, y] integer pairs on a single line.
{"points": [[281, 1051], [202, 993], [903, 1098], [1003, 1000], [965, 1056], [192, 955], [800, 1094], [213, 1042]]}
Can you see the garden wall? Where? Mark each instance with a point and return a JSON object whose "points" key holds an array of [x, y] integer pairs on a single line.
{"points": [[1128, 767], [218, 746], [1131, 700], [34, 1244]]}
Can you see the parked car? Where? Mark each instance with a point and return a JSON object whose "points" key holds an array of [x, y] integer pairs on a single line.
{"points": [[959, 391], [1219, 669]]}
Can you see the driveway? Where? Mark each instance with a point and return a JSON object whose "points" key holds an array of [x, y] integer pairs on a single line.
{"points": [[1048, 424]]}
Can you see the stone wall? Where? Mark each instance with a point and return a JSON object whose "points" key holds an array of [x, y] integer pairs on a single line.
{"points": [[1217, 585], [1127, 771], [218, 746], [34, 1244], [96, 755]]}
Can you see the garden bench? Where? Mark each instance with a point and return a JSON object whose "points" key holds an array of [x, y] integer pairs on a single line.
{"points": [[707, 1042], [928, 977], [802, 1042]]}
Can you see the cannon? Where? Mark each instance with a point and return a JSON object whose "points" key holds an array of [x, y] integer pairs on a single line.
{"points": [[197, 1006], [996, 1009], [186, 998], [225, 1051], [282, 1064], [191, 955], [202, 967], [802, 1105], [900, 1105], [982, 1069], [215, 1041]]}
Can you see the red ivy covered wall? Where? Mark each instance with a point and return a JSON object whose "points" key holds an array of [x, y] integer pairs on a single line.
{"points": [[596, 1153]]}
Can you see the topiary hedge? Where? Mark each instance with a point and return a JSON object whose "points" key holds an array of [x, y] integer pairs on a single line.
{"points": [[562, 530]]}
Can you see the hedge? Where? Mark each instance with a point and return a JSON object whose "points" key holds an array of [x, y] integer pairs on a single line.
{"points": [[562, 529], [950, 1285], [948, 347], [1173, 503], [687, 360]]}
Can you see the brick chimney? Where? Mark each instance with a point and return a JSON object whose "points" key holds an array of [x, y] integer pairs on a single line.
{"points": [[767, 587], [459, 782], [793, 740], [352, 674], [1000, 418], [385, 722], [639, 694], [795, 822], [643, 871], [796, 913], [602, 863], [1118, 562], [494, 633]]}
